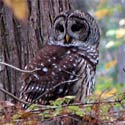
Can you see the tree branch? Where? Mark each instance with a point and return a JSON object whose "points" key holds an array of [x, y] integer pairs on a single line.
{"points": [[18, 69], [12, 96]]}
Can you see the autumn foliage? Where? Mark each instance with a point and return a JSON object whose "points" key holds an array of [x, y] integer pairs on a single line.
{"points": [[97, 111]]}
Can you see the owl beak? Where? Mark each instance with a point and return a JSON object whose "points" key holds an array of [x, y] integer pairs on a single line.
{"points": [[67, 38]]}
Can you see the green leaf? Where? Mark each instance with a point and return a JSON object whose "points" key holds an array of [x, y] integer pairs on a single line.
{"points": [[111, 32], [57, 111], [16, 116], [57, 102], [33, 107], [68, 99], [60, 101], [73, 108], [76, 110], [46, 114]]}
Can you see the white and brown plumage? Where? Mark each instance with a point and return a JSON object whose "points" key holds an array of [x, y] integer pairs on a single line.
{"points": [[71, 52]]}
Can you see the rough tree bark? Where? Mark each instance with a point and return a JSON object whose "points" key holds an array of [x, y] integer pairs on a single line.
{"points": [[19, 42]]}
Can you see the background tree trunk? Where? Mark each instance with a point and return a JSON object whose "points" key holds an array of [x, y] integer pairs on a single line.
{"points": [[121, 64], [19, 42], [121, 54]]}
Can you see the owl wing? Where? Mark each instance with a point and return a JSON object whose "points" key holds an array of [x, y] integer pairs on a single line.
{"points": [[57, 64]]}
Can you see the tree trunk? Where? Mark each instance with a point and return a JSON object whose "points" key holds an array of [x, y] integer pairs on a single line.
{"points": [[121, 53], [19, 42], [121, 64]]}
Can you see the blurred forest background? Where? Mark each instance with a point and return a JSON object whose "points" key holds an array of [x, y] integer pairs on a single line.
{"points": [[110, 15], [111, 18]]}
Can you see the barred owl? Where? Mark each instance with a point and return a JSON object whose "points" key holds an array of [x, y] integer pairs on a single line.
{"points": [[67, 63]]}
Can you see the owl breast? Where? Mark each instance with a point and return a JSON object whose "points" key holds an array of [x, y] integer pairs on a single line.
{"points": [[67, 64], [59, 67]]}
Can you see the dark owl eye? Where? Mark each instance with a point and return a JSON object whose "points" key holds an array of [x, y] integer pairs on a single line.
{"points": [[76, 27], [60, 28]]}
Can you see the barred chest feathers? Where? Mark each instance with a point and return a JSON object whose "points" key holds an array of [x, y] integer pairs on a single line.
{"points": [[71, 53]]}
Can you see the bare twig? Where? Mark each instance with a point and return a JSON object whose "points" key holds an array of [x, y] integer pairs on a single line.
{"points": [[18, 69], [60, 117], [12, 96], [97, 102], [24, 102], [47, 107]]}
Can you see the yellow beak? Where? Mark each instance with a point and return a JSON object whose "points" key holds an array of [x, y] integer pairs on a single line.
{"points": [[67, 38]]}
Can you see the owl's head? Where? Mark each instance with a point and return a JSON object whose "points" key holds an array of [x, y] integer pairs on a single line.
{"points": [[74, 28]]}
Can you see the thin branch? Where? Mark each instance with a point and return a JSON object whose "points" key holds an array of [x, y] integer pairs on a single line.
{"points": [[22, 101], [60, 117], [18, 69], [47, 107], [54, 87], [12, 96]]}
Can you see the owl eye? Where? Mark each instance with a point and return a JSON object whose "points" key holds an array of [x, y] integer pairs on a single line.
{"points": [[60, 28], [76, 27]]}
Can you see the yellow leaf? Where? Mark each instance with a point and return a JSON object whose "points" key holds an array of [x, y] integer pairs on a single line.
{"points": [[109, 93], [120, 33], [101, 13], [19, 8], [106, 94], [110, 64], [97, 92]]}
